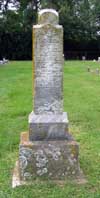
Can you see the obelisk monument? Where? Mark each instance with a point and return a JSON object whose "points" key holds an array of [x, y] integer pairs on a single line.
{"points": [[48, 151]]}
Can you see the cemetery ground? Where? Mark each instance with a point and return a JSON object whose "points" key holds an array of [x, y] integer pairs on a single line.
{"points": [[81, 102]]}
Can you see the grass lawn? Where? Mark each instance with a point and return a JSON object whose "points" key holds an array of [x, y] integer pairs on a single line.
{"points": [[81, 101]]}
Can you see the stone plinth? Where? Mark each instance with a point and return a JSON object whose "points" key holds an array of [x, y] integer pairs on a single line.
{"points": [[56, 160], [47, 160], [48, 127]]}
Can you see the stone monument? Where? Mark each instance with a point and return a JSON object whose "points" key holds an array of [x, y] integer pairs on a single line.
{"points": [[47, 151]]}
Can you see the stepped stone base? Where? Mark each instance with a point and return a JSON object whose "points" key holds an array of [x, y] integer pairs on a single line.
{"points": [[46, 160]]}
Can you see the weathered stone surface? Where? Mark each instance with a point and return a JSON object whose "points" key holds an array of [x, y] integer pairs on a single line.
{"points": [[48, 151], [48, 127], [48, 159], [48, 100], [48, 16], [48, 80], [48, 61]]}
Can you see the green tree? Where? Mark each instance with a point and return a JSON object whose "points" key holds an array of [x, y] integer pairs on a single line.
{"points": [[80, 19]]}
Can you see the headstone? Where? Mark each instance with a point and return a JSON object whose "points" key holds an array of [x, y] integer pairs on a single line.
{"points": [[98, 59], [4, 61], [48, 151], [1, 62], [83, 58], [97, 71]]}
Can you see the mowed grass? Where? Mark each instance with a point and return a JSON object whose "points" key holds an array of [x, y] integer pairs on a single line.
{"points": [[81, 102]]}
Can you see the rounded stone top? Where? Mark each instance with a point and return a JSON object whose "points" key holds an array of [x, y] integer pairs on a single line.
{"points": [[48, 16]]}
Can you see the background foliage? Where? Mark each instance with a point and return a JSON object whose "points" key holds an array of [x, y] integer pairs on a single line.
{"points": [[80, 19]]}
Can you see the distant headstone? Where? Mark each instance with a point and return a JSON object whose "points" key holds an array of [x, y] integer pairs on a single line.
{"points": [[98, 59], [93, 71], [83, 58], [97, 71], [48, 151], [1, 62], [4, 61]]}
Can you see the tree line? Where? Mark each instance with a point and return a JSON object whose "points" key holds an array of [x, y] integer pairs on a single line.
{"points": [[80, 19]]}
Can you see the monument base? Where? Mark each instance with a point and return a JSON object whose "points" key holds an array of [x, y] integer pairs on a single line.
{"points": [[48, 127], [47, 160]]}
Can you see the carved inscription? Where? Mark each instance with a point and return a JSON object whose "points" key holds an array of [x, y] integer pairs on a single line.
{"points": [[48, 58]]}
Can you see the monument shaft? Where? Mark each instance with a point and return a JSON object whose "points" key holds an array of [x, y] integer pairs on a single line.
{"points": [[48, 122], [48, 61]]}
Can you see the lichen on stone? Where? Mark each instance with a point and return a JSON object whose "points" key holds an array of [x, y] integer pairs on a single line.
{"points": [[41, 162], [42, 171], [54, 152]]}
